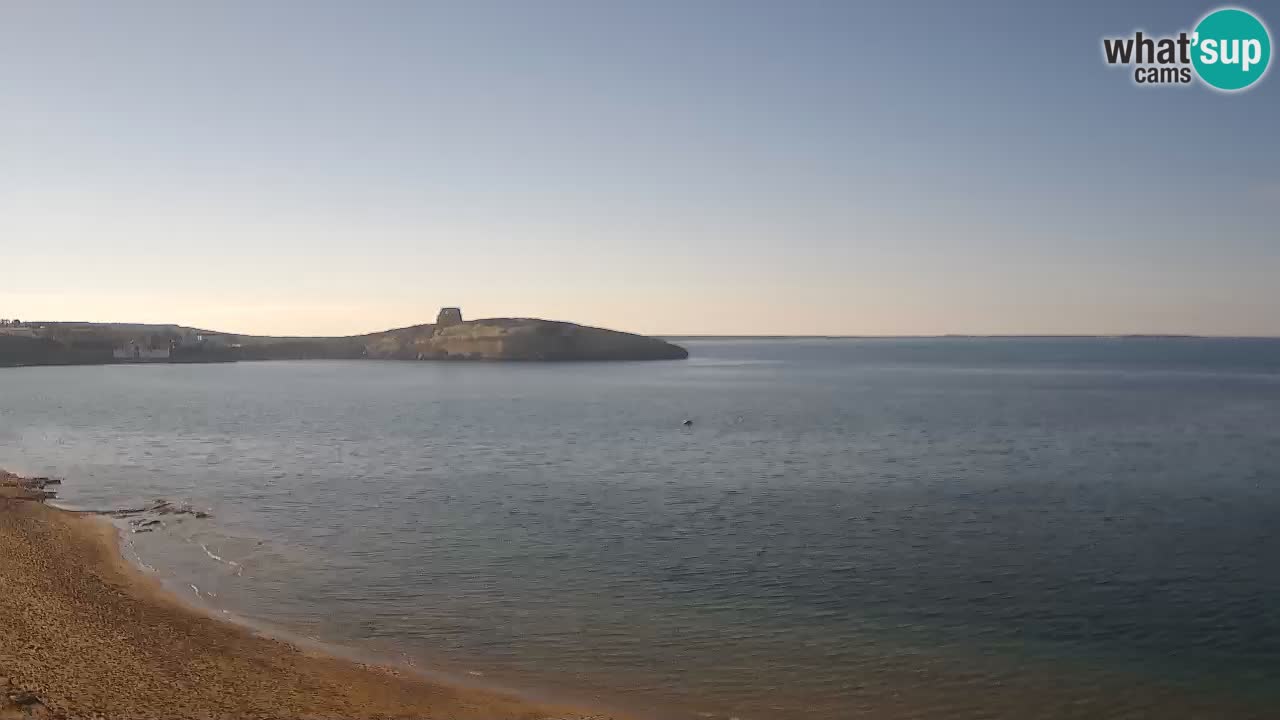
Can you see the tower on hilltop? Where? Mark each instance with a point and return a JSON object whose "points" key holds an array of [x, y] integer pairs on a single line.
{"points": [[448, 316]]}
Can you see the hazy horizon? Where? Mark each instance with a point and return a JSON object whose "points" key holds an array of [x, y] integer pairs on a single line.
{"points": [[742, 169], [693, 335]]}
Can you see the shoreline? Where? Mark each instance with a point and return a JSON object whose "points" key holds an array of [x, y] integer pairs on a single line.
{"points": [[89, 635]]}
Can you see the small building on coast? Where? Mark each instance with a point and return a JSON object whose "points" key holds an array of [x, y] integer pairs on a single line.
{"points": [[217, 340], [200, 340]]}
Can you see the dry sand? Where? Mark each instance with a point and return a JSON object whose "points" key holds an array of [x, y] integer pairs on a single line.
{"points": [[83, 634]]}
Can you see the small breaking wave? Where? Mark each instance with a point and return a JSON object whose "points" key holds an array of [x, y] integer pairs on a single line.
{"points": [[218, 558]]}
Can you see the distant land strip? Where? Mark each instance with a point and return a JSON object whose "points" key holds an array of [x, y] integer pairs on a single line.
{"points": [[449, 338]]}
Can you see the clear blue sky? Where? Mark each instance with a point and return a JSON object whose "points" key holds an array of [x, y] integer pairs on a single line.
{"points": [[667, 167]]}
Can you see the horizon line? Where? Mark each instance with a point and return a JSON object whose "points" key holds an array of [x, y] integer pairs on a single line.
{"points": [[962, 336], [738, 336]]}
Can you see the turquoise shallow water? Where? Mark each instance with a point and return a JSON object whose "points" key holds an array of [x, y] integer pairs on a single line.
{"points": [[952, 528]]}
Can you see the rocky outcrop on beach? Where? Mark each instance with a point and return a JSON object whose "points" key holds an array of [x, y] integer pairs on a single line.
{"points": [[17, 703], [16, 487]]}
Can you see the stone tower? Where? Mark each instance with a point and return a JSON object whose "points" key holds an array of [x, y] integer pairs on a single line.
{"points": [[448, 316]]}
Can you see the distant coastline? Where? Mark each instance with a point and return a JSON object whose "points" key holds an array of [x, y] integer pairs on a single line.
{"points": [[449, 338], [1139, 336]]}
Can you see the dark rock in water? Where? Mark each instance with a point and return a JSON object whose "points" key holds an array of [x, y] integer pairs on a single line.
{"points": [[144, 525], [162, 508]]}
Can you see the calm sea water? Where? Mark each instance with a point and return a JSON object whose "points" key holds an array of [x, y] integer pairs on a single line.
{"points": [[851, 528]]}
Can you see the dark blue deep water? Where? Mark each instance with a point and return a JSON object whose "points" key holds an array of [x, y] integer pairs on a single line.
{"points": [[949, 528]]}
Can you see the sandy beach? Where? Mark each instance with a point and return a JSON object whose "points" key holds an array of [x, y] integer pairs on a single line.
{"points": [[83, 634]]}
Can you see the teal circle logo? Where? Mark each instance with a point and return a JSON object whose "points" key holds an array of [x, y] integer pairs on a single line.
{"points": [[1232, 49]]}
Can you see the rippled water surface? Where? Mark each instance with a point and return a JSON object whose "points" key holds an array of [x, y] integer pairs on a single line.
{"points": [[882, 528]]}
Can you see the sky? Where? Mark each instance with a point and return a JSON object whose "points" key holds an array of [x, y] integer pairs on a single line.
{"points": [[688, 167]]}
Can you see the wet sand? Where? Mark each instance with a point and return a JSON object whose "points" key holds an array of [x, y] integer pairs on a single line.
{"points": [[83, 634]]}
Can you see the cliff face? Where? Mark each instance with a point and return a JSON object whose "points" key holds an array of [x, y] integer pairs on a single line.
{"points": [[46, 351], [517, 339]]}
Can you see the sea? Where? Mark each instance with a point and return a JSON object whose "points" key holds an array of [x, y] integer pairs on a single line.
{"points": [[846, 528]]}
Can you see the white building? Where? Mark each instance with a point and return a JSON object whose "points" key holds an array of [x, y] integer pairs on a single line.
{"points": [[215, 340]]}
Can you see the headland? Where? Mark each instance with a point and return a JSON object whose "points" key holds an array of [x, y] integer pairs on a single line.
{"points": [[449, 338]]}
